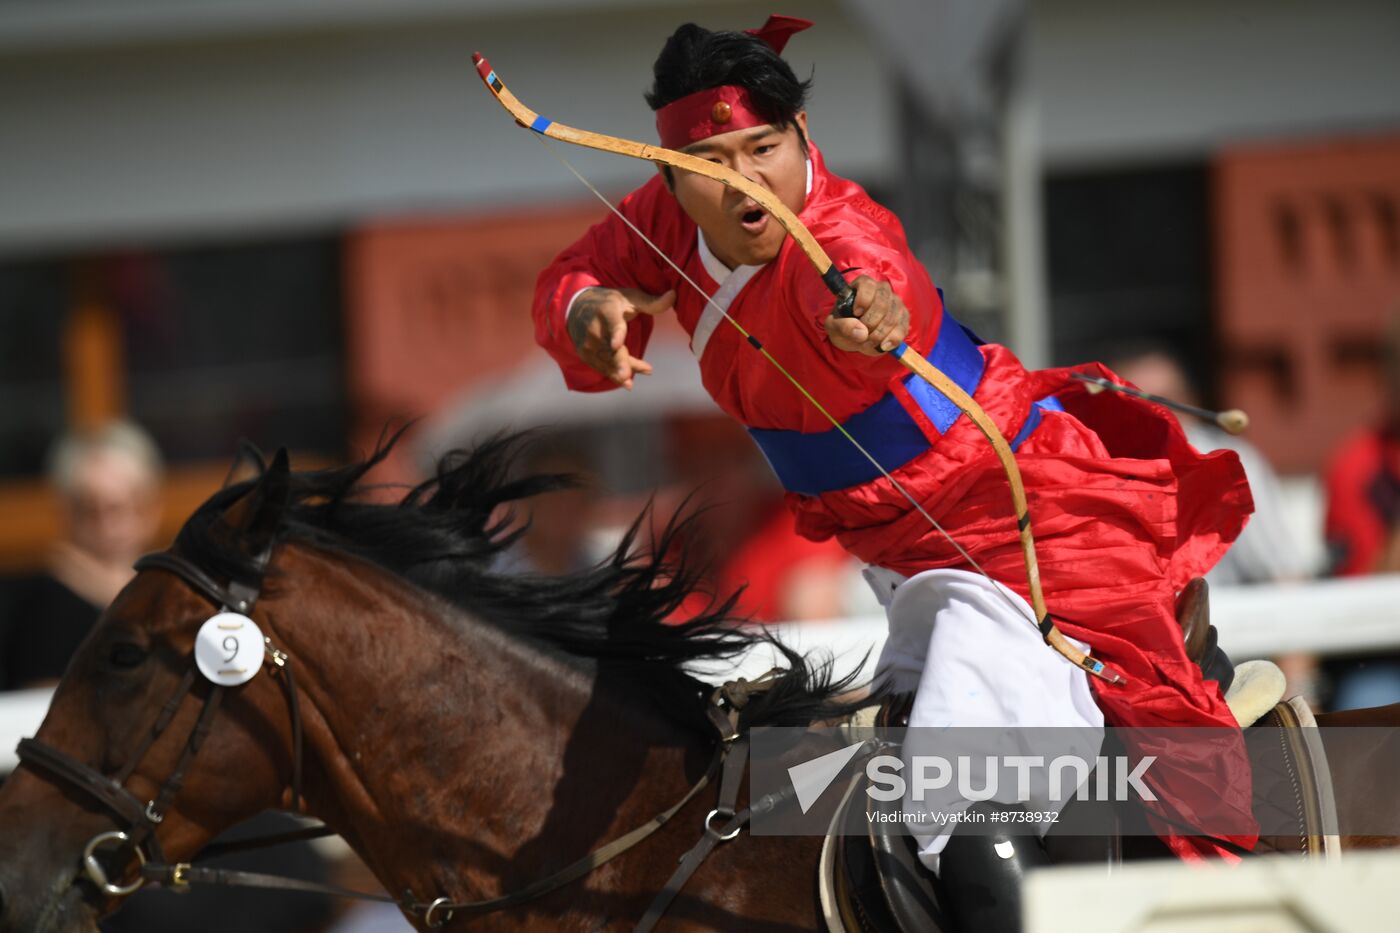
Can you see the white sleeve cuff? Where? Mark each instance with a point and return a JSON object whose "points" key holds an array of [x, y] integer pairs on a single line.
{"points": [[569, 308]]}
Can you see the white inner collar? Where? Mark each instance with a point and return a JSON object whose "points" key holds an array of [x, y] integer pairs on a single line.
{"points": [[714, 267]]}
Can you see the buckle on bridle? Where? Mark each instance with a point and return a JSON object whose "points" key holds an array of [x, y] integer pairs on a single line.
{"points": [[714, 832], [441, 904], [98, 875]]}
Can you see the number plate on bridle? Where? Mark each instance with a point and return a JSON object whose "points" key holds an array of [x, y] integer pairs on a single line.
{"points": [[229, 649]]}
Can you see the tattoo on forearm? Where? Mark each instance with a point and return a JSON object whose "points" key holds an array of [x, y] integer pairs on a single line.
{"points": [[586, 306]]}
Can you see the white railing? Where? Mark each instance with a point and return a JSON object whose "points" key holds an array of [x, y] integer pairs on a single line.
{"points": [[21, 711], [1324, 617]]}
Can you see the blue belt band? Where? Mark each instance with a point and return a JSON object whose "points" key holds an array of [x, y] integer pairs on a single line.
{"points": [[815, 463]]}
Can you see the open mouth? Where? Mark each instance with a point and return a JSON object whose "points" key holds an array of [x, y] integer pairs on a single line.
{"points": [[753, 220]]}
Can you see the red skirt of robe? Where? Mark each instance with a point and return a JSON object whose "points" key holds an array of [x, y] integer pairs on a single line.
{"points": [[1124, 513]]}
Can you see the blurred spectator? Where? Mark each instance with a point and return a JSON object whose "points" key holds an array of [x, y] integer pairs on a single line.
{"points": [[1265, 551], [1363, 486], [107, 481], [561, 524], [1363, 528]]}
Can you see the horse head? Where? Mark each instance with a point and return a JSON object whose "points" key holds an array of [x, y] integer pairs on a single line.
{"points": [[136, 755], [462, 727]]}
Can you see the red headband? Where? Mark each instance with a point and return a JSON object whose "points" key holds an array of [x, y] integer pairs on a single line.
{"points": [[721, 109]]}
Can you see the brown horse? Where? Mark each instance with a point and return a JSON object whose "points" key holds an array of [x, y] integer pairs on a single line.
{"points": [[466, 732]]}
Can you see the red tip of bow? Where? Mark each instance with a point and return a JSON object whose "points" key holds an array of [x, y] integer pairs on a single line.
{"points": [[779, 29]]}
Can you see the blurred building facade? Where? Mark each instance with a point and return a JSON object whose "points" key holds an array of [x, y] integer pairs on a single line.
{"points": [[295, 222]]}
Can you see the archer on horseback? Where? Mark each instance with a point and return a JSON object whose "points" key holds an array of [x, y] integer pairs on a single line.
{"points": [[1126, 510]]}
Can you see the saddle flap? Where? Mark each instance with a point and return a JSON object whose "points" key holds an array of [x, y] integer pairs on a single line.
{"points": [[1292, 784], [908, 886]]}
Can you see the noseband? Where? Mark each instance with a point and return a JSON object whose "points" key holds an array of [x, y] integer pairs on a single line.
{"points": [[138, 820]]}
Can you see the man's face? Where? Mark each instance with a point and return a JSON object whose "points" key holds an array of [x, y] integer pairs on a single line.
{"points": [[1157, 374], [736, 229], [113, 509]]}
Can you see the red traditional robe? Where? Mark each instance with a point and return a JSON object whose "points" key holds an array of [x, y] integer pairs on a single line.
{"points": [[1123, 509]]}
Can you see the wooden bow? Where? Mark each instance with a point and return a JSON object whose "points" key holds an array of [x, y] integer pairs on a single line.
{"points": [[845, 298]]}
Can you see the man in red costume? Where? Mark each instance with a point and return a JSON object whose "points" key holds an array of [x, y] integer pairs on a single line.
{"points": [[1125, 511]]}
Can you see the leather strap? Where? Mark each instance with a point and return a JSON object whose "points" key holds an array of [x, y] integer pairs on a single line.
{"points": [[319, 831], [163, 720], [578, 869], [289, 687], [196, 578], [731, 757], [184, 874], [735, 764], [116, 798]]}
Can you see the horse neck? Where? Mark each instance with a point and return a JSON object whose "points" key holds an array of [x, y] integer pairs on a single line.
{"points": [[457, 760]]}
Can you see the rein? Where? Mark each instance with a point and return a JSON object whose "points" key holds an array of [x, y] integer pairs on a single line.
{"points": [[139, 821]]}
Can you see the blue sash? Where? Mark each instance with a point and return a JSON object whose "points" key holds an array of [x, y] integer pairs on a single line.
{"points": [[811, 464]]}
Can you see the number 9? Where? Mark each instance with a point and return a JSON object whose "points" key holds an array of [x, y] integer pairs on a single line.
{"points": [[231, 645]]}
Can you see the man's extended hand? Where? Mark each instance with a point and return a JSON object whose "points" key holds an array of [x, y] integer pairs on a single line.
{"points": [[881, 321], [598, 328]]}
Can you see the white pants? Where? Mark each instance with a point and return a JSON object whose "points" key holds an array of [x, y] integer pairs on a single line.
{"points": [[973, 659]]}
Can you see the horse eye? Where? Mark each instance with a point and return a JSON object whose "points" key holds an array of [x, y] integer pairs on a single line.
{"points": [[126, 655]]}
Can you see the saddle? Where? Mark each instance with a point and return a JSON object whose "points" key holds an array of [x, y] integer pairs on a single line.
{"points": [[875, 883]]}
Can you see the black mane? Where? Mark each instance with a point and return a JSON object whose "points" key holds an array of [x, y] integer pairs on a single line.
{"points": [[441, 536]]}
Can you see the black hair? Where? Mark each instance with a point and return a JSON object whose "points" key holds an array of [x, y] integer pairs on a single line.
{"points": [[696, 59]]}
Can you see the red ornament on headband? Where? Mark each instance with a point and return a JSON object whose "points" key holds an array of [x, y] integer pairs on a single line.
{"points": [[779, 29], [726, 108]]}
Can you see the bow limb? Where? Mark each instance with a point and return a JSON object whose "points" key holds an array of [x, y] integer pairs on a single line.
{"points": [[1053, 636], [721, 173], [838, 285]]}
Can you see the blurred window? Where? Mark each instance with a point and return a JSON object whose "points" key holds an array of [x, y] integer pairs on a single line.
{"points": [[233, 341], [33, 303], [1128, 258]]}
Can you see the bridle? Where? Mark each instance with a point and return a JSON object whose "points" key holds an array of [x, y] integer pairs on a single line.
{"points": [[138, 820]]}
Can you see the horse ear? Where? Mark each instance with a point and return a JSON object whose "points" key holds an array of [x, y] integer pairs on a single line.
{"points": [[248, 463], [256, 517]]}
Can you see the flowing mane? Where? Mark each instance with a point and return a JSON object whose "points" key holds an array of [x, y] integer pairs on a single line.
{"points": [[441, 536]]}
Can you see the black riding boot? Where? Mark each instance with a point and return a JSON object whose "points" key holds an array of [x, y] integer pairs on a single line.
{"points": [[980, 872]]}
